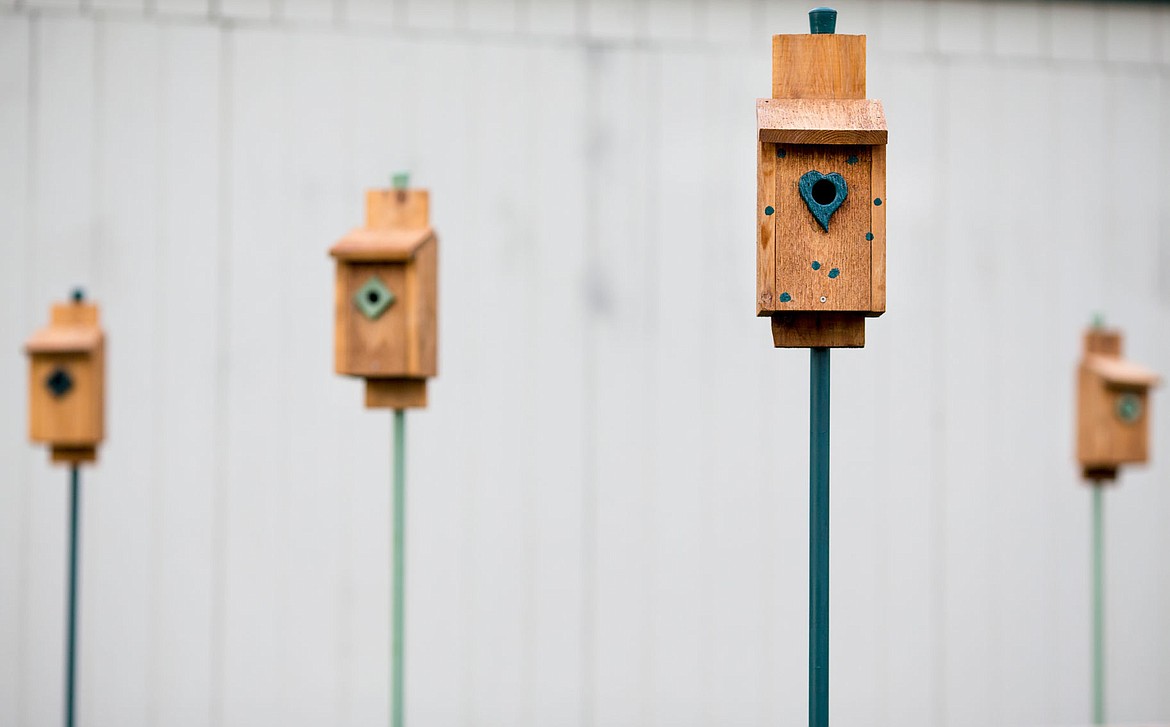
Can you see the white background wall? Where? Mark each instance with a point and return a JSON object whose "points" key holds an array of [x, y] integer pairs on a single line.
{"points": [[607, 497]]}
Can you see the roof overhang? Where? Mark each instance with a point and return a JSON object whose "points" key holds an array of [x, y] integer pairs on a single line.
{"points": [[365, 245], [1121, 373], [64, 339], [821, 121]]}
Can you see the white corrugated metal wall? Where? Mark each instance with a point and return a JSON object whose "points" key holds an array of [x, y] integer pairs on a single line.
{"points": [[607, 497]]}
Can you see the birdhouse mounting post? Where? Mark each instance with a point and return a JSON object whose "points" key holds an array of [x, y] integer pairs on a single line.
{"points": [[71, 623], [398, 555], [1098, 605], [818, 550]]}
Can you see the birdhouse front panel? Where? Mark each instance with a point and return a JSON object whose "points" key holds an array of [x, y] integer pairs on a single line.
{"points": [[373, 308], [1114, 424], [66, 382], [66, 401], [823, 215]]}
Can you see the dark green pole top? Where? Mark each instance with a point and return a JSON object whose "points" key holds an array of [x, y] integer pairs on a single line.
{"points": [[78, 295], [822, 21]]}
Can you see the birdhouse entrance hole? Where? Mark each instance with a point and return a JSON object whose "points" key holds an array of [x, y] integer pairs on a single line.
{"points": [[373, 298], [824, 192], [59, 382], [1129, 408]]}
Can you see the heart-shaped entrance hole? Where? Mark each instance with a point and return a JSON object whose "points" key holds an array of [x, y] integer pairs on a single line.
{"points": [[823, 193]]}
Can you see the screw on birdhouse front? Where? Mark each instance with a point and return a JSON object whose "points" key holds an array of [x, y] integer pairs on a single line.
{"points": [[400, 180], [78, 295], [822, 21]]}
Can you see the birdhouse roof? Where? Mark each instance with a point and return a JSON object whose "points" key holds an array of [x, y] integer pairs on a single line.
{"points": [[366, 245], [1119, 372], [64, 339], [821, 121]]}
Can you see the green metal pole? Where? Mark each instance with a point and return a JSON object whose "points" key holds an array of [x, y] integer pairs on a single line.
{"points": [[1098, 606], [399, 560], [818, 543], [71, 625]]}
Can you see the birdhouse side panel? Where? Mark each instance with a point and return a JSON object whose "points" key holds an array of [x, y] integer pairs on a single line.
{"points": [[372, 311], [65, 405], [765, 228], [877, 245], [824, 228], [1093, 434], [422, 284]]}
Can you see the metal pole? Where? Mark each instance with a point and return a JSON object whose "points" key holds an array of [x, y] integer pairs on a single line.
{"points": [[398, 558], [818, 542], [1098, 606], [71, 626]]}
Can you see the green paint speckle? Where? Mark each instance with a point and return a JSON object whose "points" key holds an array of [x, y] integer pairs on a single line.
{"points": [[834, 273], [780, 153], [816, 265], [869, 236], [785, 297], [851, 160], [769, 210], [878, 201]]}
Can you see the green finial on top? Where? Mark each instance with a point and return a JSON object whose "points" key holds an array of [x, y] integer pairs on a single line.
{"points": [[1098, 320], [822, 21], [400, 180], [77, 295]]}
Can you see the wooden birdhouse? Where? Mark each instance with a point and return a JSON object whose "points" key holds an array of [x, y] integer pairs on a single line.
{"points": [[821, 192], [1113, 395], [386, 299], [67, 382]]}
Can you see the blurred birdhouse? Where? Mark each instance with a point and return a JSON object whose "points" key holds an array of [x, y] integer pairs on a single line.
{"points": [[1113, 421], [386, 299], [821, 181], [67, 382]]}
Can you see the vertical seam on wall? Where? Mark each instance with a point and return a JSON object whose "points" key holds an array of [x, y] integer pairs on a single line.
{"points": [[221, 405], [158, 402], [280, 508], [589, 396], [530, 614], [939, 500], [704, 396], [653, 80], [96, 234], [22, 608]]}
